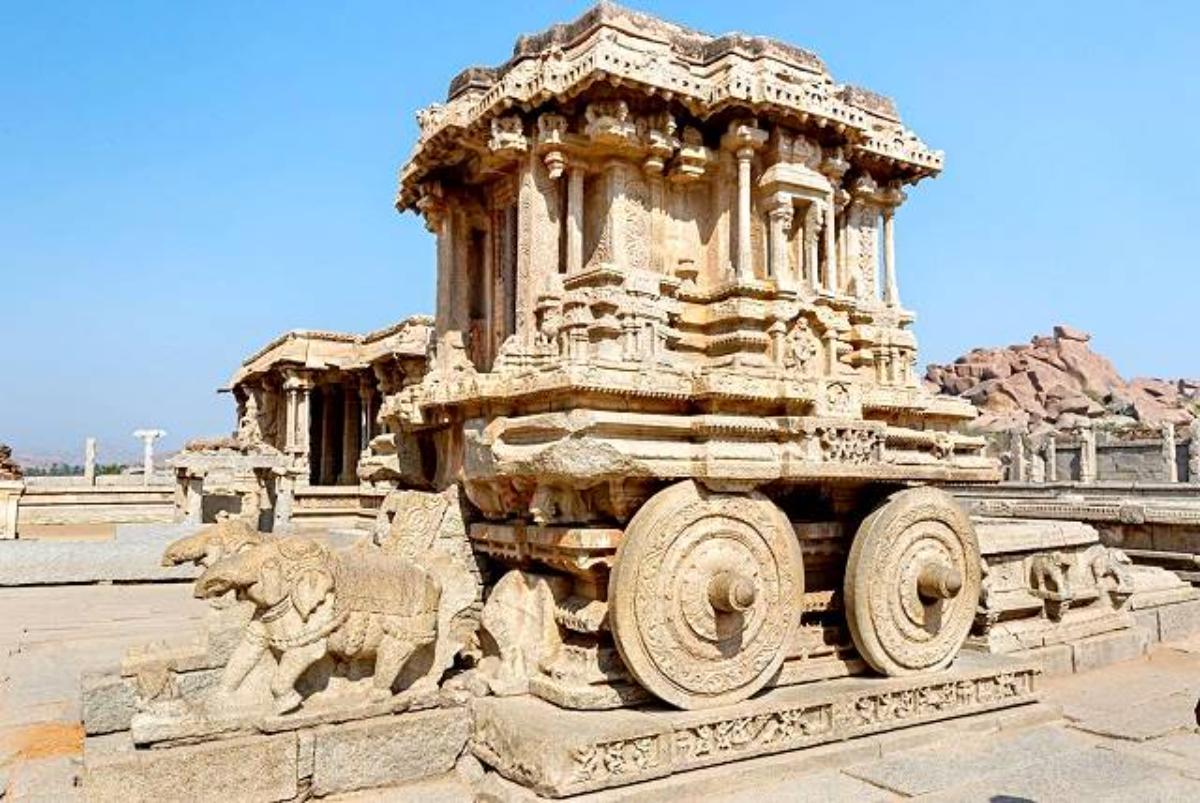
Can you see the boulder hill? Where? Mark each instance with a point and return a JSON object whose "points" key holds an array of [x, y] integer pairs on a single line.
{"points": [[1058, 382]]}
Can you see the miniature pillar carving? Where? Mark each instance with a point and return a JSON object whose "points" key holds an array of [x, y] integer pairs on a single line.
{"points": [[831, 262], [574, 219], [891, 293], [1051, 449], [743, 138], [1170, 466], [745, 271]]}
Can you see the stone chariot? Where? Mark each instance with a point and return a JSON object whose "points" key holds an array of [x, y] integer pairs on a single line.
{"points": [[672, 373]]}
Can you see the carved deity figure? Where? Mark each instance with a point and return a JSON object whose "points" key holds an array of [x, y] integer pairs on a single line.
{"points": [[803, 348], [249, 432]]}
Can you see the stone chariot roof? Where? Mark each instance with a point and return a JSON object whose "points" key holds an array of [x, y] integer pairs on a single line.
{"points": [[706, 75]]}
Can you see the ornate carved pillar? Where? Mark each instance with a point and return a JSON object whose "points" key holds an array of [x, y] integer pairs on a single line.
{"points": [[1051, 459], [575, 218], [298, 387]]}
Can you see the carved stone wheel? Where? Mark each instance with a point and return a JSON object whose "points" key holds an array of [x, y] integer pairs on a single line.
{"points": [[912, 582], [704, 597]]}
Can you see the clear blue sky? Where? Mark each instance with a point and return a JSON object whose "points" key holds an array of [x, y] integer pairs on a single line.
{"points": [[180, 182]]}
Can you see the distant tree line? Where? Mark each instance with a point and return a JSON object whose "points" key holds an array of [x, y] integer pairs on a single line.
{"points": [[57, 469]]}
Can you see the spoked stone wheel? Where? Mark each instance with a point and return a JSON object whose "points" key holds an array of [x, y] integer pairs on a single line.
{"points": [[704, 594], [912, 582]]}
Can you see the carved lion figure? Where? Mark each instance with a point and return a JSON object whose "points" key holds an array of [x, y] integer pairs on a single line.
{"points": [[311, 601]]}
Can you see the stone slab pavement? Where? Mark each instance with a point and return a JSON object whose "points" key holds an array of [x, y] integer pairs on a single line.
{"points": [[1123, 732], [50, 636]]}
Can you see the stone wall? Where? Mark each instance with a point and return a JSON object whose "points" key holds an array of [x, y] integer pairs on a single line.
{"points": [[48, 508], [1134, 460]]}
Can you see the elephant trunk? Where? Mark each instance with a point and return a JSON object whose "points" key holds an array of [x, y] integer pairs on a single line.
{"points": [[223, 576]]}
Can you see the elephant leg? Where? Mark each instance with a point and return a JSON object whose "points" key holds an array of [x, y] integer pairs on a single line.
{"points": [[428, 682], [245, 657], [291, 666], [390, 659]]}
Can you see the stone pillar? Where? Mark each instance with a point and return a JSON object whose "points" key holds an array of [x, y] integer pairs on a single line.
{"points": [[891, 293], [1017, 470], [1051, 449], [194, 513], [1170, 466], [285, 490], [575, 218], [327, 470], [148, 437], [89, 461], [1194, 451], [366, 406], [351, 437], [781, 222], [10, 495], [831, 262], [1087, 456]]}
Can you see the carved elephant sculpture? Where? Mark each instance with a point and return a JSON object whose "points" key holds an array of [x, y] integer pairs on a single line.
{"points": [[208, 545], [311, 601]]}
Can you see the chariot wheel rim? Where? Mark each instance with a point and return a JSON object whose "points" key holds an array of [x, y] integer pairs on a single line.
{"points": [[704, 595], [912, 583]]}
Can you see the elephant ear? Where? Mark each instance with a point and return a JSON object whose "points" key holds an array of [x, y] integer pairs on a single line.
{"points": [[309, 591]]}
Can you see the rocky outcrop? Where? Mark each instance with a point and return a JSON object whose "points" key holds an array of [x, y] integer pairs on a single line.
{"points": [[9, 468], [1059, 382]]}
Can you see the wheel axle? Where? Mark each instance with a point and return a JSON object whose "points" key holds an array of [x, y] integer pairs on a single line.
{"points": [[939, 581]]}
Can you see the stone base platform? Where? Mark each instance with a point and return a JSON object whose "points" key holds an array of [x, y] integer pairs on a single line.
{"points": [[559, 753], [329, 759]]}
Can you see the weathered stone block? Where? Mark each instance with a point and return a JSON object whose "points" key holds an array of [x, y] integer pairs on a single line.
{"points": [[388, 750], [1109, 648], [109, 700], [1179, 621], [1057, 659], [260, 768], [1147, 621]]}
